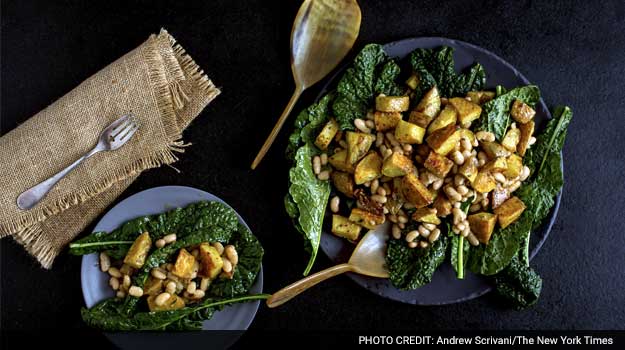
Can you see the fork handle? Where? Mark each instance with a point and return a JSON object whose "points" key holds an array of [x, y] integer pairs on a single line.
{"points": [[32, 196]]}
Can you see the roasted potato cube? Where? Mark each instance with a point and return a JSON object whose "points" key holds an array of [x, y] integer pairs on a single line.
{"points": [[469, 170], [511, 140], [153, 286], [406, 132], [426, 215], [515, 165], [185, 262], [420, 119], [386, 120], [482, 225], [438, 165], [444, 140], [366, 218], [467, 134], [521, 112], [396, 165], [467, 111], [138, 251], [173, 303], [339, 162], [494, 150], [430, 104], [484, 182], [392, 103], [342, 227], [369, 168], [527, 130], [343, 182], [443, 206], [446, 117], [413, 81], [498, 164], [415, 191], [480, 97], [509, 211], [210, 261], [327, 134], [498, 196], [358, 145]]}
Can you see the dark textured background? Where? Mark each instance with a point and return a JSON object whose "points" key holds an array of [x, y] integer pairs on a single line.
{"points": [[573, 50]]}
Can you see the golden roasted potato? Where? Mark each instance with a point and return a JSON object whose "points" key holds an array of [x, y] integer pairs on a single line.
{"points": [[358, 145], [511, 140], [430, 104], [153, 286], [444, 140], [396, 165], [413, 81], [427, 215], [498, 196], [173, 303], [515, 165], [327, 134], [498, 164], [339, 162], [415, 191], [482, 225], [386, 120], [343, 182], [420, 119], [443, 206], [484, 182], [480, 97], [138, 251], [369, 168], [366, 218], [494, 150], [468, 134], [467, 111], [385, 103], [211, 262], [509, 211], [446, 117], [527, 130], [342, 227], [469, 170], [183, 267], [521, 112], [406, 132], [438, 165]]}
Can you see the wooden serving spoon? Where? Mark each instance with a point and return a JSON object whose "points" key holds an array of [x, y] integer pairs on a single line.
{"points": [[367, 259], [323, 33]]}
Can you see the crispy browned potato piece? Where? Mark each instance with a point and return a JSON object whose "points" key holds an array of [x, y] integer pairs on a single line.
{"points": [[386, 120], [366, 218], [342, 227], [138, 251], [430, 104], [343, 182], [427, 215], [368, 169], [406, 132], [396, 165], [446, 117], [484, 182], [339, 162], [467, 111], [358, 145], [444, 140], [527, 130], [153, 286], [438, 165], [521, 112], [327, 134], [392, 103], [482, 225], [443, 206], [420, 119], [173, 303], [509, 211], [183, 267], [415, 191], [211, 262]]}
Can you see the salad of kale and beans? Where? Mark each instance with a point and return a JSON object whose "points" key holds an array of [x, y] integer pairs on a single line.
{"points": [[173, 270], [457, 168]]}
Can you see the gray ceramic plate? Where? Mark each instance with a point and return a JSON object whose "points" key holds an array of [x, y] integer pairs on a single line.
{"points": [[445, 288], [153, 201]]}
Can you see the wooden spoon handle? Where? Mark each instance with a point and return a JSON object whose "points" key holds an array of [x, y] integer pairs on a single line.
{"points": [[277, 127], [287, 293]]}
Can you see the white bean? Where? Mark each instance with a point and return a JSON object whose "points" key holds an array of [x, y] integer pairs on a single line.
{"points": [[436, 185], [198, 294], [379, 199], [375, 184], [191, 287], [170, 287], [135, 291], [204, 283], [466, 231], [105, 261], [460, 226], [475, 207], [515, 186], [334, 204], [525, 173], [466, 154], [114, 283], [316, 162], [370, 124], [458, 180], [387, 153], [403, 219], [379, 140], [466, 144], [401, 225], [434, 235], [412, 245], [423, 231], [324, 175], [361, 125], [219, 247], [391, 138], [120, 294], [114, 271], [396, 232], [462, 190], [407, 148], [457, 157], [170, 238], [472, 239], [161, 299], [227, 267], [231, 254], [423, 244], [531, 141], [429, 226], [160, 243], [412, 235], [499, 177], [324, 158], [126, 282], [513, 125], [158, 274], [452, 193], [485, 136]]}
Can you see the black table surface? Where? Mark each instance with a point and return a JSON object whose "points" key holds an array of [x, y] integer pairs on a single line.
{"points": [[573, 50]]}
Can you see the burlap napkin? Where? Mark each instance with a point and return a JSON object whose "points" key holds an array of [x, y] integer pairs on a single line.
{"points": [[158, 83]]}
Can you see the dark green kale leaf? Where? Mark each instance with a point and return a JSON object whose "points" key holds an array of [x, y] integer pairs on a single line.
{"points": [[308, 123], [518, 284], [355, 90], [495, 116], [412, 268], [386, 82]]}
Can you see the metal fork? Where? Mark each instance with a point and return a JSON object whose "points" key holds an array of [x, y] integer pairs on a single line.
{"points": [[113, 137]]}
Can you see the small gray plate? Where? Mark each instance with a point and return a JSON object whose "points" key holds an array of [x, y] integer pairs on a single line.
{"points": [[156, 200], [445, 288]]}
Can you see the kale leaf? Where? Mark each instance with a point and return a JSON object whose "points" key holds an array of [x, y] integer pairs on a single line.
{"points": [[307, 123], [386, 82], [495, 116], [412, 268], [518, 284]]}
